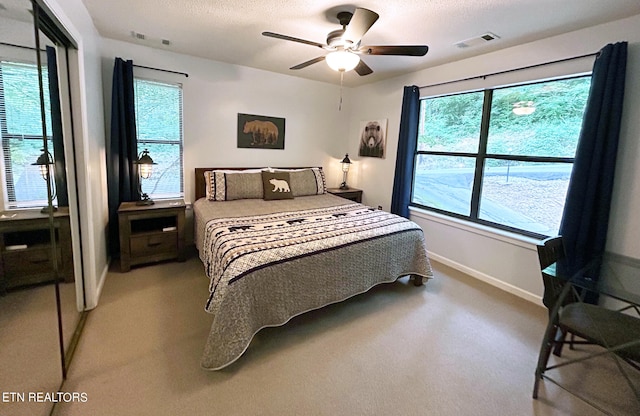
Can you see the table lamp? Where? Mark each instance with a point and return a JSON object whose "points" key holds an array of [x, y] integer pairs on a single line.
{"points": [[47, 170], [145, 169], [346, 162]]}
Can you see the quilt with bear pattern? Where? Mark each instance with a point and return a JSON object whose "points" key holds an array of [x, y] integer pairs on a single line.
{"points": [[266, 268]]}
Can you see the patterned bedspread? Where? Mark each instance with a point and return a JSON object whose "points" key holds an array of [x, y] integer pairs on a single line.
{"points": [[234, 247], [265, 269]]}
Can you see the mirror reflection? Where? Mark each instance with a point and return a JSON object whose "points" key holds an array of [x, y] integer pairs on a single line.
{"points": [[39, 306], [30, 357], [53, 161]]}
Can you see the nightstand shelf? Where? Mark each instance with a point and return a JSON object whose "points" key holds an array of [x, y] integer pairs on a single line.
{"points": [[26, 257], [351, 193], [151, 233]]}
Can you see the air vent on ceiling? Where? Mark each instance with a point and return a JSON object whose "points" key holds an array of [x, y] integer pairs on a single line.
{"points": [[478, 40], [137, 35], [166, 42]]}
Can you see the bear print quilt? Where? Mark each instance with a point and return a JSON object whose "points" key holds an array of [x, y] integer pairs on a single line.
{"points": [[266, 266]]}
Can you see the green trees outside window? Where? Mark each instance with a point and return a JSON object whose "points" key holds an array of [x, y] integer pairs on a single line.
{"points": [[21, 133], [159, 129], [503, 156]]}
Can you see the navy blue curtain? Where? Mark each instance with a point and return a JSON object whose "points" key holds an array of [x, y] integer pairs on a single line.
{"points": [[586, 212], [407, 144], [122, 180], [60, 173]]}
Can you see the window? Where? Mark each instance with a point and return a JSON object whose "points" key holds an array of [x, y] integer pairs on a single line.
{"points": [[21, 132], [159, 130], [501, 157]]}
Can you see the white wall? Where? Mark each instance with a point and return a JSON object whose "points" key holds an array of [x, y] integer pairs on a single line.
{"points": [[505, 260], [213, 95], [318, 134], [89, 140]]}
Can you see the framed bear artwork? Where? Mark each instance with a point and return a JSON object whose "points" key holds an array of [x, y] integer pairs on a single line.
{"points": [[260, 132], [373, 138]]}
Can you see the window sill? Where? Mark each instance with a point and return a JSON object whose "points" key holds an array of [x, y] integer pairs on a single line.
{"points": [[483, 230]]}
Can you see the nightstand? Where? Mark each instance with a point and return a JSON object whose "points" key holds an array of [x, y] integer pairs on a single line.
{"points": [[350, 193], [151, 233], [26, 256]]}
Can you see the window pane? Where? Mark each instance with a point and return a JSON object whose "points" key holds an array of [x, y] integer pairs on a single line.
{"points": [[26, 187], [549, 122], [158, 111], [451, 123], [525, 195], [166, 178], [444, 182], [159, 129], [22, 99], [21, 121]]}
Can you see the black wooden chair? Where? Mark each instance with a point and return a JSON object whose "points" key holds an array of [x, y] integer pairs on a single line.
{"points": [[613, 330], [551, 251]]}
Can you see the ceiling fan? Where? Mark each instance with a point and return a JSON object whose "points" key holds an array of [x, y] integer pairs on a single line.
{"points": [[344, 44]]}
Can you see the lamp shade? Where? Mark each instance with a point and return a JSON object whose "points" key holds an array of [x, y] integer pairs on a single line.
{"points": [[345, 163], [145, 163], [342, 60], [45, 162]]}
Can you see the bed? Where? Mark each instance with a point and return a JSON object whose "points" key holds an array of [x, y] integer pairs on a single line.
{"points": [[270, 260]]}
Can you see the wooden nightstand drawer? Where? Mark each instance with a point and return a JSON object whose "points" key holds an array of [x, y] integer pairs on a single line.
{"points": [[20, 264], [154, 243], [25, 248]]}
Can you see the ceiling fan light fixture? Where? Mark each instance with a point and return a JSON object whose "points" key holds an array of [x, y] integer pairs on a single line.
{"points": [[342, 60]]}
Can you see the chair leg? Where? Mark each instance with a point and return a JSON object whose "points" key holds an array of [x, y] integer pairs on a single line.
{"points": [[559, 342], [543, 359]]}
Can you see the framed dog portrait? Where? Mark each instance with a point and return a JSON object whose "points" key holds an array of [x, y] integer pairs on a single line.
{"points": [[260, 132], [373, 138]]}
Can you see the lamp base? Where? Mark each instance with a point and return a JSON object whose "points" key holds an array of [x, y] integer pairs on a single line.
{"points": [[344, 185], [145, 202], [144, 199], [48, 209]]}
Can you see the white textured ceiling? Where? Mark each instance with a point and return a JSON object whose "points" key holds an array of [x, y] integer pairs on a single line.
{"points": [[230, 30]]}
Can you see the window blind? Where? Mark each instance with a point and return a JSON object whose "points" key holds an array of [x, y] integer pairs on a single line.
{"points": [[159, 130], [22, 135]]}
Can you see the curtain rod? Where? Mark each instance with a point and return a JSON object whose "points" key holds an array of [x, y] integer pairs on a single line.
{"points": [[162, 70], [511, 70]]}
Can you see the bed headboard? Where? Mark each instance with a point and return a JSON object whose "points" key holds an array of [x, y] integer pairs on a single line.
{"points": [[201, 186]]}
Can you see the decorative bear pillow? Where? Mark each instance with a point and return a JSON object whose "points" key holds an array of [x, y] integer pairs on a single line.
{"points": [[276, 185], [309, 181]]}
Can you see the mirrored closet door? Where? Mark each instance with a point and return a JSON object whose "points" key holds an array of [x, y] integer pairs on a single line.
{"points": [[41, 292], [57, 151]]}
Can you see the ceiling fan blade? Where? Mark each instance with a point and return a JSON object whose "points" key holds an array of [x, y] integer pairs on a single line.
{"points": [[292, 39], [363, 69], [406, 50], [360, 23], [310, 62]]}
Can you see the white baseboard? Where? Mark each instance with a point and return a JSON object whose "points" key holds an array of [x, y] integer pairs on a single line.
{"points": [[92, 301], [514, 290]]}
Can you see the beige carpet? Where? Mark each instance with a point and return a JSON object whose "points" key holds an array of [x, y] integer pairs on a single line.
{"points": [[29, 346], [453, 347]]}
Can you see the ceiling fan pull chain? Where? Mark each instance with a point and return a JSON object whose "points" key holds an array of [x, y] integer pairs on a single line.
{"points": [[341, 79]]}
